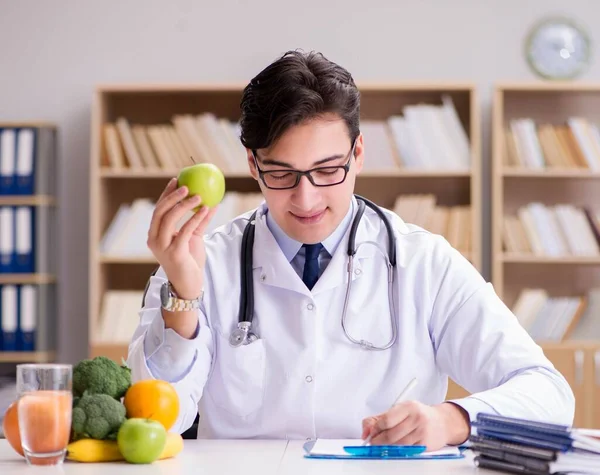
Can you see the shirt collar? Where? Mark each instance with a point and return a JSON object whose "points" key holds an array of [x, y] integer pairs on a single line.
{"points": [[290, 247]]}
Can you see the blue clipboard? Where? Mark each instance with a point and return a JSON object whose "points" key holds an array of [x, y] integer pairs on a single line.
{"points": [[381, 452]]}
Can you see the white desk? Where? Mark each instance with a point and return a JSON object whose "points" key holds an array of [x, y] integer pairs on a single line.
{"points": [[242, 457]]}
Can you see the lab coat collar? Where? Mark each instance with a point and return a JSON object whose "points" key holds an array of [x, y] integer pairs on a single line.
{"points": [[276, 270]]}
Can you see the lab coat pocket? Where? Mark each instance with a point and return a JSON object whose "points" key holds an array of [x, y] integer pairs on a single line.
{"points": [[238, 378]]}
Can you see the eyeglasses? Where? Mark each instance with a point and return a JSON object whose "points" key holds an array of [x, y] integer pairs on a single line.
{"points": [[320, 176]]}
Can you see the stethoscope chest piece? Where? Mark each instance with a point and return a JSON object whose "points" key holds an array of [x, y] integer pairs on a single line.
{"points": [[241, 335]]}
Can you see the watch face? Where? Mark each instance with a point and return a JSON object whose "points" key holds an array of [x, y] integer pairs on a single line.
{"points": [[164, 294], [558, 49]]}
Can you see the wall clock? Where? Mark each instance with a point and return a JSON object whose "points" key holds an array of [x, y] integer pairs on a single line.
{"points": [[557, 48]]}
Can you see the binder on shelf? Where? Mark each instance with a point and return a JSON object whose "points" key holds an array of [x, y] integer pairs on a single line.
{"points": [[7, 161], [9, 318], [28, 319], [7, 239], [28, 161]]}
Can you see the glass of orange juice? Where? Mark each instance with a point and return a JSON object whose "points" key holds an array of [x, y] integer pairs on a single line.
{"points": [[44, 409]]}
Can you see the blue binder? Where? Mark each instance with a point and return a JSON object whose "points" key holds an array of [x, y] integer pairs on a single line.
{"points": [[381, 452]]}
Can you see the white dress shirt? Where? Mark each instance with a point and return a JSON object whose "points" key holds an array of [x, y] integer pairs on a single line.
{"points": [[303, 378]]}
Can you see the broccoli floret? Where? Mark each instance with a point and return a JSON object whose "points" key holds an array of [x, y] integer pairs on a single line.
{"points": [[97, 416], [101, 375]]}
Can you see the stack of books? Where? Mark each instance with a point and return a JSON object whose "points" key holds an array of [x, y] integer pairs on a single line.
{"points": [[530, 447]]}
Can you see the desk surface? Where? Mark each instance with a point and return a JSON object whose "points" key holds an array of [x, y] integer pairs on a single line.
{"points": [[243, 457]]}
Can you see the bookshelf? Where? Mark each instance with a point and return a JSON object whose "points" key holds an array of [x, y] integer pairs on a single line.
{"points": [[28, 242], [545, 206], [114, 180]]}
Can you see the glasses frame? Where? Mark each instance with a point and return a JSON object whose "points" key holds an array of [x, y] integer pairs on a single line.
{"points": [[307, 173]]}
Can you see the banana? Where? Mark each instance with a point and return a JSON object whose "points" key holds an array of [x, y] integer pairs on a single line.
{"points": [[92, 450]]}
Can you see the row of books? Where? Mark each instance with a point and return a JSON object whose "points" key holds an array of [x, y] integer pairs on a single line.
{"points": [[127, 233], [26, 233], [452, 222], [558, 318], [27, 161], [27, 317], [424, 136], [575, 144], [555, 231]]}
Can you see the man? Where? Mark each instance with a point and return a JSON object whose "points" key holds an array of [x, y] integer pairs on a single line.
{"points": [[303, 376]]}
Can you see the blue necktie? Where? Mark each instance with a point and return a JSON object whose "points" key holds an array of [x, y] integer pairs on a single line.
{"points": [[311, 264]]}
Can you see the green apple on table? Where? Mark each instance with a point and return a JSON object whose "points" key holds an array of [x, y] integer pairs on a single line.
{"points": [[141, 440], [205, 180]]}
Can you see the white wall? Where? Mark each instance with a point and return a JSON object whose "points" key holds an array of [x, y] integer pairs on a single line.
{"points": [[53, 52]]}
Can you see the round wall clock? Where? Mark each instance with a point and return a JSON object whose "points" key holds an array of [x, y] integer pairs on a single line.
{"points": [[557, 48]]}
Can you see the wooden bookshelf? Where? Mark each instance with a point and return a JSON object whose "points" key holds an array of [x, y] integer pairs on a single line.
{"points": [[154, 104], [515, 187], [44, 203]]}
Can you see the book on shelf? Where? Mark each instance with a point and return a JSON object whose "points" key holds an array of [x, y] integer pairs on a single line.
{"points": [[119, 316], [424, 136], [558, 318], [452, 222], [574, 144], [126, 235], [559, 230]]}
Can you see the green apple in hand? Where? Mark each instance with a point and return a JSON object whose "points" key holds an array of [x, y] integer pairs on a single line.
{"points": [[141, 440], [204, 179]]}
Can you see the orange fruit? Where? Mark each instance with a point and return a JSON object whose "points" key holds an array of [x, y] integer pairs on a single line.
{"points": [[10, 428], [152, 399]]}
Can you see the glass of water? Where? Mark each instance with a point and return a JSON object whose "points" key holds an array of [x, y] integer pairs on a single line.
{"points": [[45, 398]]}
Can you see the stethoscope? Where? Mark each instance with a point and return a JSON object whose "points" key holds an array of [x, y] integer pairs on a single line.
{"points": [[243, 335]]}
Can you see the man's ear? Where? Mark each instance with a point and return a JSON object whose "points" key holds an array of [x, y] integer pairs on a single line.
{"points": [[359, 153], [251, 164]]}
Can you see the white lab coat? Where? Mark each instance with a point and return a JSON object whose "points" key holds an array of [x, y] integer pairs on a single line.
{"points": [[304, 379]]}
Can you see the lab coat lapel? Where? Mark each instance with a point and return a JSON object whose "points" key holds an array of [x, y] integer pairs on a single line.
{"points": [[270, 264]]}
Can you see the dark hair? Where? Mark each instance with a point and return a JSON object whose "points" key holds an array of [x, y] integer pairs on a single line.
{"points": [[295, 88]]}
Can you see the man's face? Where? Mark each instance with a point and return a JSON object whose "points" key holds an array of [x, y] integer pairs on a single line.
{"points": [[307, 213]]}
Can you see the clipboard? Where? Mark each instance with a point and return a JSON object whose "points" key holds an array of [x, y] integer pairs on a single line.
{"points": [[356, 451]]}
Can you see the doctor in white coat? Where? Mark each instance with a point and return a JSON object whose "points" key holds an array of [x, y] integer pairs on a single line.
{"points": [[304, 375]]}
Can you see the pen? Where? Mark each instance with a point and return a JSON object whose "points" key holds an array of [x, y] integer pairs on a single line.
{"points": [[401, 397]]}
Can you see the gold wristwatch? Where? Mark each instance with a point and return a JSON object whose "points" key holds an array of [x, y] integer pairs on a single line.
{"points": [[172, 303]]}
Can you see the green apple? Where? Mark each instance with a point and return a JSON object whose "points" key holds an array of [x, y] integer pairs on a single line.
{"points": [[204, 179], [141, 440]]}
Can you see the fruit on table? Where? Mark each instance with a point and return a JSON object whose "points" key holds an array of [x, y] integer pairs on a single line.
{"points": [[205, 180], [153, 399], [141, 440], [92, 450], [97, 416], [10, 428]]}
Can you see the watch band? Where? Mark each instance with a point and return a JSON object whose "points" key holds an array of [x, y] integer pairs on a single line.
{"points": [[172, 303]]}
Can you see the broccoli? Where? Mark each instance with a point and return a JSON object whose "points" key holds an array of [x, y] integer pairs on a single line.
{"points": [[97, 416], [101, 375]]}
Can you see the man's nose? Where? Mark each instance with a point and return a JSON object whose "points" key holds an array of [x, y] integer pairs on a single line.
{"points": [[306, 195]]}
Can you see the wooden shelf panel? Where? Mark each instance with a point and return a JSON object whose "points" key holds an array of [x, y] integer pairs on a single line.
{"points": [[115, 352], [27, 279], [27, 200], [533, 259], [550, 173], [26, 357], [127, 260]]}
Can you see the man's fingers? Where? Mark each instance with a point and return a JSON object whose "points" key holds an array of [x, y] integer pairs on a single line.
{"points": [[394, 416], [367, 425], [397, 433], [168, 189], [201, 227], [187, 230], [172, 217], [162, 207]]}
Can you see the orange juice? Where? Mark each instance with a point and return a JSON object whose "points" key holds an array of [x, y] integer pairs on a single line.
{"points": [[45, 425]]}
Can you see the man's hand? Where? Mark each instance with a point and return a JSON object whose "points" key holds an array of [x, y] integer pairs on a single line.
{"points": [[414, 423]]}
